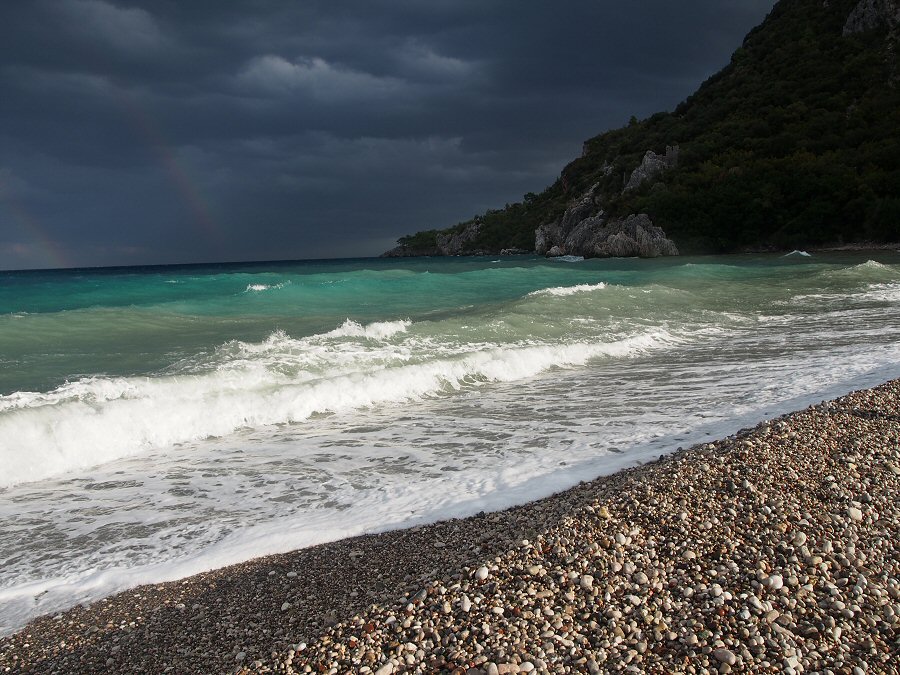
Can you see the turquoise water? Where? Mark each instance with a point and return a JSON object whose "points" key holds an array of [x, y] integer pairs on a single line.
{"points": [[158, 421], [60, 325]]}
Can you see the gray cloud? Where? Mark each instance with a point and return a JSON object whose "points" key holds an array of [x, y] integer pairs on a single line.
{"points": [[173, 132], [123, 29]]}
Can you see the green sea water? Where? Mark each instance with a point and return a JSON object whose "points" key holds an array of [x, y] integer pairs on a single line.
{"points": [[57, 326], [161, 420]]}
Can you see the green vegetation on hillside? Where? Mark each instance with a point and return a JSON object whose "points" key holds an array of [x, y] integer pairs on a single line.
{"points": [[794, 143]]}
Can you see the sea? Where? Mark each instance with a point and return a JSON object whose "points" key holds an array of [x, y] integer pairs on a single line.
{"points": [[156, 422]]}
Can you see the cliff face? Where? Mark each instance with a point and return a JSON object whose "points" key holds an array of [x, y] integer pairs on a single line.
{"points": [[651, 166], [870, 15], [584, 228], [594, 237], [455, 241], [794, 143]]}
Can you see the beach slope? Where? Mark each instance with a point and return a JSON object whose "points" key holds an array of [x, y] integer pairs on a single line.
{"points": [[773, 550]]}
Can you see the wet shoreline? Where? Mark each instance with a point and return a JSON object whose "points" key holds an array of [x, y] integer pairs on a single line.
{"points": [[786, 535]]}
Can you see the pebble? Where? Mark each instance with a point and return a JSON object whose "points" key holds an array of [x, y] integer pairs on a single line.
{"points": [[725, 656], [773, 582]]}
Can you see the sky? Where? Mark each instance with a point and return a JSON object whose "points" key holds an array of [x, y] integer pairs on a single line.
{"points": [[174, 132]]}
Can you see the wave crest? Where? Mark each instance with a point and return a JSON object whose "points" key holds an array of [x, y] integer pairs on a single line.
{"points": [[379, 330], [560, 291], [98, 420], [259, 288]]}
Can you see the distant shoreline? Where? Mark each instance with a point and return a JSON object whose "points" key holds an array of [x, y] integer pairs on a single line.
{"points": [[861, 247]]}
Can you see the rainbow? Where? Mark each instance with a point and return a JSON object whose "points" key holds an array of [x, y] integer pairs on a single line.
{"points": [[186, 188], [39, 239]]}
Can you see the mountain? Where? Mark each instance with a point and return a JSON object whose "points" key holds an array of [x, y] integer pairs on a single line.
{"points": [[795, 143]]}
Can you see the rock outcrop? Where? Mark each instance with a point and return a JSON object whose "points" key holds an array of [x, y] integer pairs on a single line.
{"points": [[584, 230], [456, 243], [652, 165], [452, 242], [871, 14]]}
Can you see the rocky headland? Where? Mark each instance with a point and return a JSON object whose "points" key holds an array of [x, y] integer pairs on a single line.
{"points": [[792, 145], [584, 229]]}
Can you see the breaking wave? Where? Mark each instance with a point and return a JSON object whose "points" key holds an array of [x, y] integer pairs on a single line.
{"points": [[379, 330], [280, 380], [259, 288], [569, 290]]}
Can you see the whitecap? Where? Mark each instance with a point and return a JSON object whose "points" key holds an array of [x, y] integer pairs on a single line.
{"points": [[378, 330], [97, 420], [259, 288], [568, 290]]}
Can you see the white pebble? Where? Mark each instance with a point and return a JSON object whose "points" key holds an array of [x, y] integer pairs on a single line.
{"points": [[773, 582]]}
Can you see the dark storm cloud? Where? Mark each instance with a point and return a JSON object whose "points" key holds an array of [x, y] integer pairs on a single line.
{"points": [[173, 131]]}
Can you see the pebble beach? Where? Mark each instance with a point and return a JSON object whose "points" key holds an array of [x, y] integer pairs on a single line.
{"points": [[775, 550]]}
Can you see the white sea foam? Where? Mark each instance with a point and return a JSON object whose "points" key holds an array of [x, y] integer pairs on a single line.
{"points": [[568, 258], [878, 292], [569, 290], [872, 264], [97, 420], [398, 502], [259, 288], [379, 330], [797, 252], [882, 292]]}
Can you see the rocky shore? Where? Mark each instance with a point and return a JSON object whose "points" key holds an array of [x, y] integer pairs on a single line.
{"points": [[774, 550]]}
